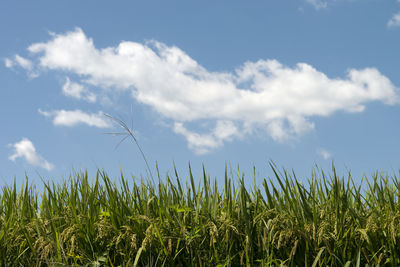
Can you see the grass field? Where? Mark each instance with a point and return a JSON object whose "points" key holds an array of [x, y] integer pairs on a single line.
{"points": [[174, 221]]}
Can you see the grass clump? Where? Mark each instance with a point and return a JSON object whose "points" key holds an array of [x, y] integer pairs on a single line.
{"points": [[94, 222]]}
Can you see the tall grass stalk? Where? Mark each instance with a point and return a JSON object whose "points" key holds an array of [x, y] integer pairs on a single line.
{"points": [[128, 133], [328, 221]]}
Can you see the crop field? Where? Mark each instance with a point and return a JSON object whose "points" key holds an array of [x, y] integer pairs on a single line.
{"points": [[101, 221]]}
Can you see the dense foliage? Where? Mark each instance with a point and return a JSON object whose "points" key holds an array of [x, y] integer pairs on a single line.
{"points": [[327, 220]]}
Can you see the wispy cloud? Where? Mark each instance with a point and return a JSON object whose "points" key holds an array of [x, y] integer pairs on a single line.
{"points": [[8, 63], [263, 95], [78, 91], [325, 154], [75, 117], [318, 4], [394, 21], [25, 149], [22, 62]]}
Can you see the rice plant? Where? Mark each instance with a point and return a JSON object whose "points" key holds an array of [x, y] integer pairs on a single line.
{"points": [[82, 221]]}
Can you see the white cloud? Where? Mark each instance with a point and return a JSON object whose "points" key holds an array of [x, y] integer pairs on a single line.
{"points": [[74, 117], [324, 153], [318, 4], [204, 143], [8, 63], [21, 62], [26, 149], [394, 21], [77, 91], [262, 95], [200, 143]]}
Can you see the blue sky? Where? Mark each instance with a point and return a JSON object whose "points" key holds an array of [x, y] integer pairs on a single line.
{"points": [[302, 83]]}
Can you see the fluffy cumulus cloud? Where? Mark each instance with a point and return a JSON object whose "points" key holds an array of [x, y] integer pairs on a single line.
{"points": [[263, 95], [395, 20], [203, 143], [75, 117], [25, 149], [78, 91]]}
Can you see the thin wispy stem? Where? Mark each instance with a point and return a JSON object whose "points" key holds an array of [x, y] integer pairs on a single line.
{"points": [[128, 132]]}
